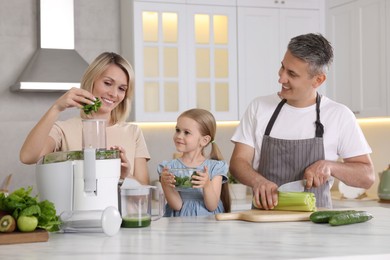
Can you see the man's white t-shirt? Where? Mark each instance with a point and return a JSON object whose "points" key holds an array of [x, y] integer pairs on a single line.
{"points": [[343, 137]]}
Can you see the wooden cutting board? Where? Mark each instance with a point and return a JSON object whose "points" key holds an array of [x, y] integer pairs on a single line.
{"points": [[39, 235], [256, 215]]}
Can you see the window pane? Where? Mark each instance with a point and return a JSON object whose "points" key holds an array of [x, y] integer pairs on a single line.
{"points": [[221, 29], [150, 26], [171, 97], [221, 63], [202, 28], [151, 97], [202, 63], [171, 62], [221, 97], [151, 62], [169, 24], [203, 96]]}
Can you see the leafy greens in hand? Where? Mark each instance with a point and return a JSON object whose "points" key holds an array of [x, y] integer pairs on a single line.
{"points": [[89, 108]]}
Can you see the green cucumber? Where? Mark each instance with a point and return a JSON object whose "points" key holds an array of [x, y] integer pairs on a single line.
{"points": [[350, 218], [325, 215]]}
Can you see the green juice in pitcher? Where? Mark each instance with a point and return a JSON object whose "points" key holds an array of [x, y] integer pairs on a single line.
{"points": [[135, 221]]}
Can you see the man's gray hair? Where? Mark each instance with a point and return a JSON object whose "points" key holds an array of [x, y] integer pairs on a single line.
{"points": [[314, 49]]}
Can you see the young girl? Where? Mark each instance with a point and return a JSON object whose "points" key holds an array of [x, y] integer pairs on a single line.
{"points": [[195, 130]]}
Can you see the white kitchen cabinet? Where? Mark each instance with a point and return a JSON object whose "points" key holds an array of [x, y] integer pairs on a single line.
{"points": [[264, 30], [291, 4], [357, 30], [184, 55], [388, 56]]}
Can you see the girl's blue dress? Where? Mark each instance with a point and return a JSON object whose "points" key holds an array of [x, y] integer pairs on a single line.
{"points": [[193, 204]]}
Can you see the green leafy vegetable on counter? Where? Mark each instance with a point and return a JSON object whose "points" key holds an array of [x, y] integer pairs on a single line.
{"points": [[21, 203], [89, 108]]}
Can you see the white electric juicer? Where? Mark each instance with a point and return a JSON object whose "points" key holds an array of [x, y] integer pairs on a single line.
{"points": [[81, 180]]}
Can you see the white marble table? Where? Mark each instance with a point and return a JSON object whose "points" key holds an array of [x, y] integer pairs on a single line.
{"points": [[206, 238]]}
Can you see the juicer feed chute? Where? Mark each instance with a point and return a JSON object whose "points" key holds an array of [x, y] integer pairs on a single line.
{"points": [[94, 138]]}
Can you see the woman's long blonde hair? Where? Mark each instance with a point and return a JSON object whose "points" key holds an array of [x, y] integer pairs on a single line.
{"points": [[97, 68], [208, 126]]}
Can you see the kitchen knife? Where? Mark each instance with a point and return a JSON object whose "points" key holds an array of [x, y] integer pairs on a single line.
{"points": [[295, 186]]}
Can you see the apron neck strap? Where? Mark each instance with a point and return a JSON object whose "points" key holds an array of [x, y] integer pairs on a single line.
{"points": [[274, 116], [319, 126]]}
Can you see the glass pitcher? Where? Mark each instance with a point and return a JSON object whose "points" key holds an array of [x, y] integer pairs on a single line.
{"points": [[136, 206]]}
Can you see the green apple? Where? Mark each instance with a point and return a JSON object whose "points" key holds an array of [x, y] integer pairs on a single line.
{"points": [[27, 223]]}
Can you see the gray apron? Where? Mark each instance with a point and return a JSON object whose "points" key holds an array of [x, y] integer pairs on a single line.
{"points": [[283, 161]]}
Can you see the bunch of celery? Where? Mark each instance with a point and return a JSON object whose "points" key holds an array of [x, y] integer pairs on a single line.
{"points": [[295, 201]]}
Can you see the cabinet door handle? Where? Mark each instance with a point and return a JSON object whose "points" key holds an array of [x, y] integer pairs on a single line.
{"points": [[276, 2]]}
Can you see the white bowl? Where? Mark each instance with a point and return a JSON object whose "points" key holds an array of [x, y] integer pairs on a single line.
{"points": [[350, 192]]}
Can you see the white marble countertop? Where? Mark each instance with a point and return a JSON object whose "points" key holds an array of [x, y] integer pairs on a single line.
{"points": [[206, 238]]}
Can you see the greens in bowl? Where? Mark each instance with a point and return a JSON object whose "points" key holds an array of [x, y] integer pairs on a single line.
{"points": [[183, 177]]}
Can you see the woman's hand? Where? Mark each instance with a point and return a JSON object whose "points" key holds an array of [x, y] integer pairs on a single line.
{"points": [[38, 142], [167, 179], [201, 179], [75, 97], [125, 164]]}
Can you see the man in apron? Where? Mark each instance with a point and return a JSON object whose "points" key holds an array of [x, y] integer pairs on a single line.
{"points": [[298, 134]]}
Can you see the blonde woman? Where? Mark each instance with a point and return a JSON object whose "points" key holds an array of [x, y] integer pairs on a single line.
{"points": [[110, 78]]}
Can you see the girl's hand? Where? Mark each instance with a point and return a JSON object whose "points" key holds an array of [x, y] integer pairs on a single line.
{"points": [[125, 164], [201, 179], [167, 178], [75, 97]]}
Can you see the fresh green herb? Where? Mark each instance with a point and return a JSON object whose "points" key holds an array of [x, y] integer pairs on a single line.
{"points": [[89, 108], [21, 203], [231, 179]]}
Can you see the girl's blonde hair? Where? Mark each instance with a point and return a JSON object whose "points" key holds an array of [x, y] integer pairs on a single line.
{"points": [[97, 68], [208, 126]]}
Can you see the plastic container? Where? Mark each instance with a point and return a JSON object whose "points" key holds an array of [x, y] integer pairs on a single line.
{"points": [[136, 204], [107, 221]]}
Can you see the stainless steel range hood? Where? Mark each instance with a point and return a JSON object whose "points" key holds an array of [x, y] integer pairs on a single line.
{"points": [[56, 65]]}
